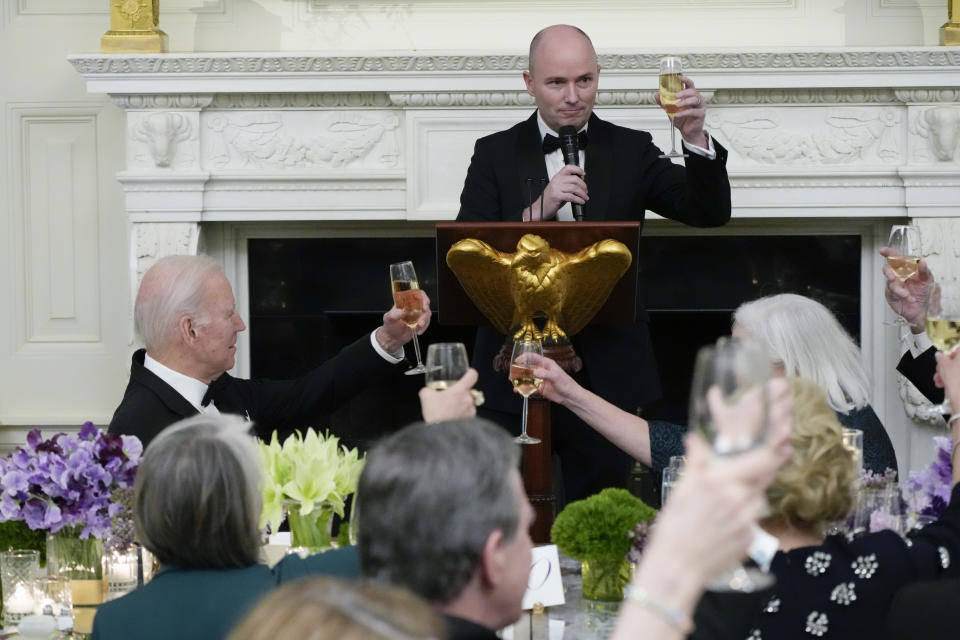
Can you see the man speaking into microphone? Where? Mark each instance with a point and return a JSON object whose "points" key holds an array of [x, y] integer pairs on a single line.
{"points": [[618, 175]]}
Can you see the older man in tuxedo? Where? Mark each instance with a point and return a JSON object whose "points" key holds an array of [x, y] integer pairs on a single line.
{"points": [[621, 174], [186, 314]]}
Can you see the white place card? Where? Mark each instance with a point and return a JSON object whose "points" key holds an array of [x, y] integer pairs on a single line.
{"points": [[545, 584]]}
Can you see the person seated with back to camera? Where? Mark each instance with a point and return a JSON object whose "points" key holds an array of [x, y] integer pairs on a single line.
{"points": [[802, 336], [197, 505], [319, 608], [444, 514]]}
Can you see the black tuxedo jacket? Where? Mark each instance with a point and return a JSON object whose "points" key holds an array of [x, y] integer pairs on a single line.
{"points": [[920, 372], [149, 404], [624, 178]]}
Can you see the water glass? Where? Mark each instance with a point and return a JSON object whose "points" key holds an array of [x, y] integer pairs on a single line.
{"points": [[671, 474], [853, 442], [18, 568], [54, 597]]}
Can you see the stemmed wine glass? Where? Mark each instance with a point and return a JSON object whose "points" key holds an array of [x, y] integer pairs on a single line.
{"points": [[521, 375], [728, 405], [446, 363], [409, 299], [671, 70], [904, 242], [943, 325]]}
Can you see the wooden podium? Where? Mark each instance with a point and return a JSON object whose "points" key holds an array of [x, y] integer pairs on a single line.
{"points": [[456, 308]]}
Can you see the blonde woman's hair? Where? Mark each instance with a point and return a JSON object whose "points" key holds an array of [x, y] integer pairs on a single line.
{"points": [[810, 342], [816, 484], [327, 609]]}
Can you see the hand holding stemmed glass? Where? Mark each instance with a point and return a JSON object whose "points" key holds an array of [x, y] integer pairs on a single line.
{"points": [[684, 105], [729, 406], [408, 297], [525, 358], [449, 392], [902, 254]]}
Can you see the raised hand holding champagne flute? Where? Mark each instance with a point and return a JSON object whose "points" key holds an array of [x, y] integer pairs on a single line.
{"points": [[522, 364], [409, 299], [684, 105]]}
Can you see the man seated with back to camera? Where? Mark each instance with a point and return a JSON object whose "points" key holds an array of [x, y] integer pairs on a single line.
{"points": [[621, 174], [186, 315], [442, 512]]}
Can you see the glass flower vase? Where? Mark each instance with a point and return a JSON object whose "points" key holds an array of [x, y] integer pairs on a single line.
{"points": [[81, 562], [310, 532], [604, 579]]}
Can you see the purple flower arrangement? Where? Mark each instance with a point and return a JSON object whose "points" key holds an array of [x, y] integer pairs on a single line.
{"points": [[74, 481], [932, 485]]}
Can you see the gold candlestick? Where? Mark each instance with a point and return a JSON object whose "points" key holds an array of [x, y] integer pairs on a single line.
{"points": [[950, 31], [133, 28]]}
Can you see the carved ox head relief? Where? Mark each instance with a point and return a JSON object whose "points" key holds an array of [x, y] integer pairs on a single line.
{"points": [[942, 125], [161, 131]]}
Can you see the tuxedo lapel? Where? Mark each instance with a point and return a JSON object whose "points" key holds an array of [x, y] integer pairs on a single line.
{"points": [[599, 169], [530, 162], [173, 400]]}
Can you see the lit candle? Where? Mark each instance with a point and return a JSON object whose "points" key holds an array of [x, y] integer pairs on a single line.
{"points": [[20, 601]]}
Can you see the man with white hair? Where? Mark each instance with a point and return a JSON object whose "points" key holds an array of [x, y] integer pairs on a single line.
{"points": [[187, 317]]}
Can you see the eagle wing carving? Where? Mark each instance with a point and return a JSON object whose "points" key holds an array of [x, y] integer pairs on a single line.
{"points": [[589, 276], [486, 276]]}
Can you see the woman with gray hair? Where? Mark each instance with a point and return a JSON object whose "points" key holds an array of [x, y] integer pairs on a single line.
{"points": [[808, 342], [197, 503], [804, 339]]}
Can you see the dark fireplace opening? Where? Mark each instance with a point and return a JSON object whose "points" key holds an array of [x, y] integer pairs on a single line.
{"points": [[312, 296]]}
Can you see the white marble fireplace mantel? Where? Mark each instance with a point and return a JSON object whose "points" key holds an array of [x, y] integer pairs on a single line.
{"points": [[282, 136]]}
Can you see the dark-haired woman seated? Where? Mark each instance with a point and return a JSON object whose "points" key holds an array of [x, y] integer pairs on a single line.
{"points": [[197, 504]]}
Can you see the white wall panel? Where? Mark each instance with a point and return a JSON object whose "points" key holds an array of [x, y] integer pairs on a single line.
{"points": [[56, 174]]}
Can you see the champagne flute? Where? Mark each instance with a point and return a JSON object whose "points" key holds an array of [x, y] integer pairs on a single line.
{"points": [[671, 70], [943, 326], [409, 299], [904, 241], [728, 405], [521, 375]]}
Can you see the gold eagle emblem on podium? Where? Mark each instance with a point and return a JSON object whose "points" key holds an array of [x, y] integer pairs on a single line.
{"points": [[512, 289]]}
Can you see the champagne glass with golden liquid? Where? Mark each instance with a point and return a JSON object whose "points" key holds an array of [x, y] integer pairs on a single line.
{"points": [[671, 70], [409, 299], [904, 241], [521, 375], [943, 325]]}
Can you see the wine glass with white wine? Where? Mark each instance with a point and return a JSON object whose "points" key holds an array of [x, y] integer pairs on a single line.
{"points": [[409, 299], [904, 243], [943, 326], [447, 362], [728, 405], [523, 380], [671, 72]]}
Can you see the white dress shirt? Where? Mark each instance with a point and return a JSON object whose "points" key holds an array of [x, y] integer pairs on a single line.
{"points": [[555, 162], [191, 389]]}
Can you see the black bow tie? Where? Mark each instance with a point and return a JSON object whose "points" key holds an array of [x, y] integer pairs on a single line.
{"points": [[211, 393], [551, 142]]}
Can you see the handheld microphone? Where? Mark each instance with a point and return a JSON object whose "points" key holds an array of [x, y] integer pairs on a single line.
{"points": [[571, 155]]}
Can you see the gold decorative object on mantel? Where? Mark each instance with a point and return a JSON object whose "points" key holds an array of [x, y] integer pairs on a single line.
{"points": [[950, 31], [512, 289], [133, 28]]}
